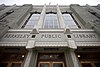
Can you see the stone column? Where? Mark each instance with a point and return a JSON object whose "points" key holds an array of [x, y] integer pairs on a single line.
{"points": [[28, 58], [61, 21], [31, 59], [42, 16], [60, 18], [71, 59]]}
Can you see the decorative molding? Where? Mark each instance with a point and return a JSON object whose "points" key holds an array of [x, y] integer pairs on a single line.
{"points": [[30, 44], [13, 43], [16, 35], [81, 44], [72, 44], [51, 44]]}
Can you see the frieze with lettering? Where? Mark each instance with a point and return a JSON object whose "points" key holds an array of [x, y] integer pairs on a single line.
{"points": [[50, 36], [84, 36], [16, 36]]}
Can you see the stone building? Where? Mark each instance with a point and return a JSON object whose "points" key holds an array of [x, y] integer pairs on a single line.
{"points": [[49, 35]]}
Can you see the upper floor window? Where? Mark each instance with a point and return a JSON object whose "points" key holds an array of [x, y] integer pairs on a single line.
{"points": [[69, 21], [51, 20], [32, 21]]}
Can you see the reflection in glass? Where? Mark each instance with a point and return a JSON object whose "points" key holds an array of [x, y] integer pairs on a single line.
{"points": [[57, 65], [3, 64], [44, 65], [51, 21], [51, 56], [97, 64], [69, 21], [32, 21], [86, 65], [16, 65]]}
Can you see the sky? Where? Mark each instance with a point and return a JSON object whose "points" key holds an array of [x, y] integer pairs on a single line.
{"points": [[53, 2]]}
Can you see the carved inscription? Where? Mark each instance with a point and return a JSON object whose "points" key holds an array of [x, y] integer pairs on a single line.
{"points": [[16, 36], [50, 36], [84, 35]]}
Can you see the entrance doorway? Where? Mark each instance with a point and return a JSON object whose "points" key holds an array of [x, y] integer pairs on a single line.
{"points": [[51, 64], [51, 60]]}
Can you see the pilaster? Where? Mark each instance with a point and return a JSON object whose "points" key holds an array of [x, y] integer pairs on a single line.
{"points": [[71, 59], [31, 58], [60, 18], [42, 16]]}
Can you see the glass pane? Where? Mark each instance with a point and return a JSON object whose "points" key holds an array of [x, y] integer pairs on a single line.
{"points": [[44, 64], [51, 21], [3, 64], [16, 65], [12, 56], [51, 56], [32, 21], [57, 65], [86, 65], [97, 64], [69, 21]]}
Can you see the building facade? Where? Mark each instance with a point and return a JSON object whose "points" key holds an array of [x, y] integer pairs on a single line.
{"points": [[49, 36]]}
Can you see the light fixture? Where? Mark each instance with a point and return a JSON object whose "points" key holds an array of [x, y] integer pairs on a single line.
{"points": [[78, 56], [50, 56], [23, 56]]}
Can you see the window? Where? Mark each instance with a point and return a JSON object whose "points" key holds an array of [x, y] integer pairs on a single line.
{"points": [[32, 21], [51, 21], [69, 21], [51, 60], [16, 65], [3, 64], [97, 64], [12, 59], [86, 65], [51, 56]]}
